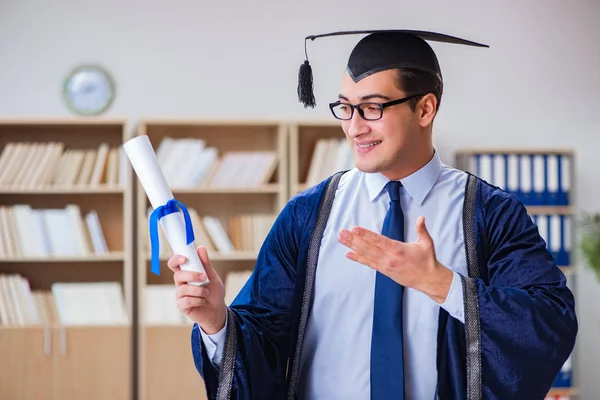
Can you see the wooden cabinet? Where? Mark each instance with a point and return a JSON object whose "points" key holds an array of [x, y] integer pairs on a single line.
{"points": [[92, 363], [66, 363], [168, 366], [66, 219], [26, 367]]}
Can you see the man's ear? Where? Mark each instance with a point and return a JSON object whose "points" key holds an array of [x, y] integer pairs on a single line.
{"points": [[427, 109]]}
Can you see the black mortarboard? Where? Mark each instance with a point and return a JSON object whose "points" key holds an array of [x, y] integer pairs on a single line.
{"points": [[379, 51]]}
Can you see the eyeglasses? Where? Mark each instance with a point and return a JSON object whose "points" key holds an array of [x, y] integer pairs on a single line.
{"points": [[369, 111]]}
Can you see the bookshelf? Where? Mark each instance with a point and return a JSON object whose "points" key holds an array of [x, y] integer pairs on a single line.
{"points": [[232, 177], [317, 150], [542, 179], [66, 266]]}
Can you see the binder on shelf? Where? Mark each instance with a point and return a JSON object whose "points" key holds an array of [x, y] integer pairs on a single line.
{"points": [[556, 232], [564, 377], [537, 179]]}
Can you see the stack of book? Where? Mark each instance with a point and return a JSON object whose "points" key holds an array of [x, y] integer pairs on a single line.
{"points": [[52, 232], [190, 163], [38, 165], [67, 303]]}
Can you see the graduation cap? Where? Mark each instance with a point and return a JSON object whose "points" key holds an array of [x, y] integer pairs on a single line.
{"points": [[379, 51]]}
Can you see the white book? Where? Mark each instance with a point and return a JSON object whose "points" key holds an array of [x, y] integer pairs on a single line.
{"points": [[539, 170], [87, 168], [542, 223], [552, 171], [565, 173], [526, 184], [95, 231], [513, 173], [98, 171], [11, 169], [10, 227], [217, 234], [555, 234], [59, 232], [203, 166], [194, 151], [5, 157], [25, 164], [31, 312], [16, 305], [160, 307], [41, 233], [76, 229], [485, 168], [499, 178], [97, 303], [567, 234], [26, 231], [6, 317], [317, 162]]}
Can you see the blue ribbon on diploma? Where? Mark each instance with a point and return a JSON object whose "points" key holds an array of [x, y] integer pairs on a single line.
{"points": [[171, 207]]}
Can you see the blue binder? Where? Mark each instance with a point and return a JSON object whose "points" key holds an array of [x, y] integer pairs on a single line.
{"points": [[564, 377], [534, 178], [555, 231], [564, 182]]}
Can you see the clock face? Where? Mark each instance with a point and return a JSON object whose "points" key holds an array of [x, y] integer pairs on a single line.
{"points": [[89, 90]]}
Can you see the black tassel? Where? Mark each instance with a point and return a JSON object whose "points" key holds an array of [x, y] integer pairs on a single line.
{"points": [[305, 85]]}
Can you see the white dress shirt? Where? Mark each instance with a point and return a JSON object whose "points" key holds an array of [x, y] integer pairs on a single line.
{"points": [[335, 360]]}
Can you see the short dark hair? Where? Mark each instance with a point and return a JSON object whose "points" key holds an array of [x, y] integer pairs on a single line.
{"points": [[413, 81]]}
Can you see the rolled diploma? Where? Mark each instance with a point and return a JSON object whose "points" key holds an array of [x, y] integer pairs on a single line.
{"points": [[145, 164]]}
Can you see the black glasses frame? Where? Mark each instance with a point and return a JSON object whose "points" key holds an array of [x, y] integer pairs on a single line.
{"points": [[381, 106]]}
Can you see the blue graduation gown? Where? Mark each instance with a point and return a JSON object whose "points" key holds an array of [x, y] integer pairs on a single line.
{"points": [[520, 324]]}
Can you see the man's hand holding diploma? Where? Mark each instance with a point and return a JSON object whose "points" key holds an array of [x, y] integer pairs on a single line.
{"points": [[204, 305]]}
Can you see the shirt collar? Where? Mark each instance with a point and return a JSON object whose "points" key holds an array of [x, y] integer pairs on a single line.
{"points": [[418, 184]]}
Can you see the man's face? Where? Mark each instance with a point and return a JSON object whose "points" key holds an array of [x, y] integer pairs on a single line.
{"points": [[379, 146]]}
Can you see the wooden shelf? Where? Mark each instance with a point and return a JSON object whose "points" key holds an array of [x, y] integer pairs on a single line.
{"points": [[158, 341], [92, 258], [273, 188], [61, 190], [507, 150], [568, 270], [49, 359], [571, 391], [550, 210], [234, 256], [302, 144], [567, 392]]}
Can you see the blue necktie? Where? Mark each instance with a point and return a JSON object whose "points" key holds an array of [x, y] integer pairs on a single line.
{"points": [[387, 356]]}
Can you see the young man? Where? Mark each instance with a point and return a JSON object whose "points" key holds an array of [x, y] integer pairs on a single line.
{"points": [[402, 278]]}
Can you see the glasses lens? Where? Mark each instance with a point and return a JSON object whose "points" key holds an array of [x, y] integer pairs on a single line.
{"points": [[342, 111], [371, 111]]}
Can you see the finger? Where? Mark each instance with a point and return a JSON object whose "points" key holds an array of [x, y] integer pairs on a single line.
{"points": [[371, 253], [191, 291], [183, 277], [185, 303], [374, 238], [422, 232], [208, 268], [175, 262], [363, 260]]}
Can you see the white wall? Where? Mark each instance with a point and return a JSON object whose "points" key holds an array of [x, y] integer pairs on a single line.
{"points": [[537, 85]]}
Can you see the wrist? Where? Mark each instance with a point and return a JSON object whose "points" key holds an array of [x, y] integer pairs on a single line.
{"points": [[216, 325], [439, 284]]}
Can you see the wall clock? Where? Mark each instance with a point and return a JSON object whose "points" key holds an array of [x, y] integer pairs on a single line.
{"points": [[89, 90]]}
